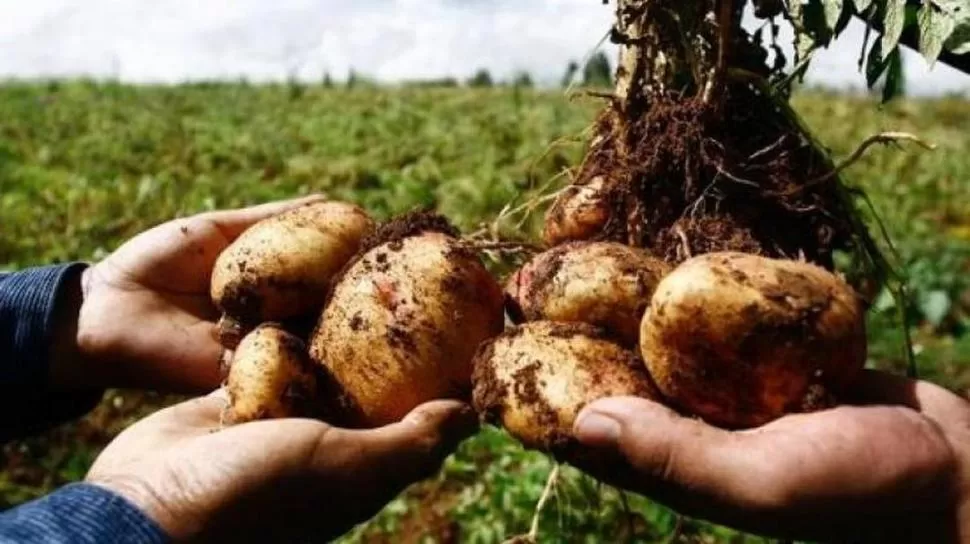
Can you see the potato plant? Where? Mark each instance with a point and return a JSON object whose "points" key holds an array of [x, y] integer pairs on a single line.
{"points": [[691, 260]]}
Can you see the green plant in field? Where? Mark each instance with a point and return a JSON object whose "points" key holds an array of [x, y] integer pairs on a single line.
{"points": [[84, 166]]}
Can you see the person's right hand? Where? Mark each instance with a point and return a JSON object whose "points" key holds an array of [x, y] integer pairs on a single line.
{"points": [[282, 480], [895, 467]]}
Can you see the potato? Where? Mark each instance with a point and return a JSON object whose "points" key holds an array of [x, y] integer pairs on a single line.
{"points": [[282, 267], [404, 321], [535, 378], [740, 340], [271, 376], [581, 212], [601, 283]]}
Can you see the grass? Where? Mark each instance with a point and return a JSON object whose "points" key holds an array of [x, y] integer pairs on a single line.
{"points": [[84, 166]]}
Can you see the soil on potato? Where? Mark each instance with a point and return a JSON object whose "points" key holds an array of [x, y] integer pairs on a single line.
{"points": [[392, 233], [406, 225], [733, 174]]}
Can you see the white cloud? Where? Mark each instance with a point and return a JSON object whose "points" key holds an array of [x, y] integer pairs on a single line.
{"points": [[176, 40]]}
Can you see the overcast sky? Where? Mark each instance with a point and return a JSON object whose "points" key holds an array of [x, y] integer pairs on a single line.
{"points": [[175, 40]]}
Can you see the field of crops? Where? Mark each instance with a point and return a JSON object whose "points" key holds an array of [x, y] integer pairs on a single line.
{"points": [[85, 166]]}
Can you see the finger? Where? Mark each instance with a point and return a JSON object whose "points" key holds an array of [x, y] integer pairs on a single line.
{"points": [[875, 387], [396, 455], [233, 222], [199, 415]]}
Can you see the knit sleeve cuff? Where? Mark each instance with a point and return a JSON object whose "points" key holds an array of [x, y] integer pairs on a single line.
{"points": [[81, 513], [27, 303]]}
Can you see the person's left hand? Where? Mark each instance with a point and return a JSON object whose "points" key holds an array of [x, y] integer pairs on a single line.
{"points": [[145, 318]]}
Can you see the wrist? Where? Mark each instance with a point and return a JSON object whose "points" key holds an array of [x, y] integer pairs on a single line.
{"points": [[71, 364], [140, 495]]}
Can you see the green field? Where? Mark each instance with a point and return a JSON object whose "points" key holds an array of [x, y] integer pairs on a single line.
{"points": [[84, 166]]}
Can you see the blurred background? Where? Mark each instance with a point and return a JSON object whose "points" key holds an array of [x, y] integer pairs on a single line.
{"points": [[119, 114]]}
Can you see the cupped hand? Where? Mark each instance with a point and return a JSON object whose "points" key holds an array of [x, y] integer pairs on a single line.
{"points": [[895, 466], [145, 318], [271, 481]]}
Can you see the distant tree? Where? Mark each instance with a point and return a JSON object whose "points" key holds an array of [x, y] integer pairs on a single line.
{"points": [[327, 80], [570, 74], [523, 80], [482, 78], [598, 72], [432, 83]]}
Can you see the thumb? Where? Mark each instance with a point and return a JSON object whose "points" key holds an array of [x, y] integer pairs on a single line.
{"points": [[421, 441], [396, 455], [641, 445]]}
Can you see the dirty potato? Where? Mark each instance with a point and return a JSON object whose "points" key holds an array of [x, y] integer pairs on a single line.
{"points": [[271, 376], [282, 267], [404, 320], [534, 379], [740, 340], [605, 284]]}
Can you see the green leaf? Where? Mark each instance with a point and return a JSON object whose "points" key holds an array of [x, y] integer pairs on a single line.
{"points": [[895, 84], [862, 5], [833, 10], [893, 23], [875, 64], [959, 40], [935, 26]]}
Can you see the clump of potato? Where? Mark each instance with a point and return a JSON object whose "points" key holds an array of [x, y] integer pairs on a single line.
{"points": [[535, 378], [405, 319], [282, 267], [740, 340], [271, 376], [407, 313], [605, 284]]}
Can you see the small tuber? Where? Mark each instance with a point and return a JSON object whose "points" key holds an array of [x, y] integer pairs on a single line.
{"points": [[271, 376], [535, 378], [605, 284]]}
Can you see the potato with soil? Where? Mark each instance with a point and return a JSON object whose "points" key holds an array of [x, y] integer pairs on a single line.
{"points": [[581, 212], [404, 320], [740, 340], [282, 267], [271, 376], [605, 284], [535, 378]]}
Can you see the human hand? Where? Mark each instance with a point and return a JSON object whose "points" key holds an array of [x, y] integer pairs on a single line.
{"points": [[893, 467], [271, 481], [145, 319]]}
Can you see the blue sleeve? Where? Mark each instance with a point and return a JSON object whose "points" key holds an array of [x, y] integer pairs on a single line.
{"points": [[28, 301], [79, 513]]}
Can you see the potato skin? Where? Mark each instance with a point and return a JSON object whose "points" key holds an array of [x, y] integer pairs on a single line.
{"points": [[271, 377], [534, 379], [282, 267], [605, 284], [403, 323], [740, 340], [581, 212]]}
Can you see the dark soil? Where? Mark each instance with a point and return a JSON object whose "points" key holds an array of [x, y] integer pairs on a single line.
{"points": [[405, 226], [736, 173]]}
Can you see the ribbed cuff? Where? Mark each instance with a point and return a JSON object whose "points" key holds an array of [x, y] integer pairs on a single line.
{"points": [[27, 303], [81, 513]]}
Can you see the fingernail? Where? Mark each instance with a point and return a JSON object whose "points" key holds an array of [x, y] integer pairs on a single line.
{"points": [[596, 429]]}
